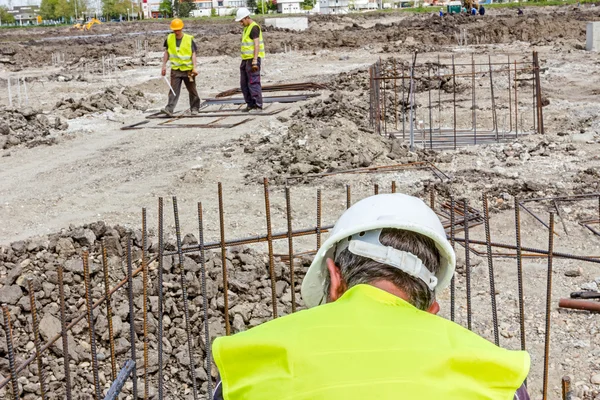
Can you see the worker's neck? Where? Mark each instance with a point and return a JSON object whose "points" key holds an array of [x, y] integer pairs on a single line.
{"points": [[389, 287], [179, 34]]}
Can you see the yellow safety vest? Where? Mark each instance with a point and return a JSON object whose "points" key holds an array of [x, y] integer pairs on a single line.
{"points": [[368, 344], [180, 57], [248, 44]]}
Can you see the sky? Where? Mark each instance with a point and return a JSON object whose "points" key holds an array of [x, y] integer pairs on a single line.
{"points": [[12, 3]]}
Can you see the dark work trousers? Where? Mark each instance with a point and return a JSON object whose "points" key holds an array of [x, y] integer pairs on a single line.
{"points": [[250, 84], [176, 78]]}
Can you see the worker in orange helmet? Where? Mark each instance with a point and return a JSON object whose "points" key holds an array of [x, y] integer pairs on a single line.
{"points": [[180, 50]]}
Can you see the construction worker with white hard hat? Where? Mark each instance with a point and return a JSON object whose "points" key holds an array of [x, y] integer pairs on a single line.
{"points": [[371, 330], [180, 50], [253, 52]]}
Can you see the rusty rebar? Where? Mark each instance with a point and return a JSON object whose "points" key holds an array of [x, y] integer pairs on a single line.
{"points": [[467, 261], [439, 95], [474, 104], [520, 273], [454, 95], [36, 339], [161, 378], [376, 189], [393, 186], [509, 97], [403, 106], [319, 210], [111, 336], [432, 198], [538, 89], [207, 348], [488, 240], [516, 103], [430, 117], [145, 302], [452, 243], [184, 295], [349, 197], [495, 121], [90, 312], [566, 388], [11, 351], [288, 209], [548, 307], [224, 260], [131, 314], [395, 96], [63, 332], [270, 246]]}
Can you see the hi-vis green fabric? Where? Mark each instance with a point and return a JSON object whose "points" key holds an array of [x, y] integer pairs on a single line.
{"points": [[180, 57], [248, 44], [368, 344]]}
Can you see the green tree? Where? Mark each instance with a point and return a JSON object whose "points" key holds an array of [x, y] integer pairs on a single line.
{"points": [[47, 9], [185, 8], [5, 16], [165, 8], [213, 12], [308, 4], [251, 5], [63, 9]]}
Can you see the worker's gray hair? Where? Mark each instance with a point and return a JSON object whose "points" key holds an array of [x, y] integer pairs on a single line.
{"points": [[356, 269]]}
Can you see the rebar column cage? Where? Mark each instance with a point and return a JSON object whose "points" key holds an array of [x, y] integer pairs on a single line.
{"points": [[448, 103]]}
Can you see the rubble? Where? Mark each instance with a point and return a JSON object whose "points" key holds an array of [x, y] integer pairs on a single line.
{"points": [[27, 126], [111, 98]]}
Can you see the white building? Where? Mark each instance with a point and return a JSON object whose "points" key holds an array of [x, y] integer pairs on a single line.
{"points": [[334, 6], [364, 4], [289, 6]]}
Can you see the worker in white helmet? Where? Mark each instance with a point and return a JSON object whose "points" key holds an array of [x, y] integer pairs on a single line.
{"points": [[253, 52], [371, 330]]}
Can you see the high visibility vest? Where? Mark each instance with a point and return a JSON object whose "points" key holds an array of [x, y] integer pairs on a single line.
{"points": [[248, 44], [180, 57], [369, 344]]}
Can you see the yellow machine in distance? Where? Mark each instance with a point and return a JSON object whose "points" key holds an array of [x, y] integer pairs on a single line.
{"points": [[88, 25]]}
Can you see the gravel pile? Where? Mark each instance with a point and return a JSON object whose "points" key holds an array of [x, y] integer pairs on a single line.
{"points": [[27, 126], [113, 97]]}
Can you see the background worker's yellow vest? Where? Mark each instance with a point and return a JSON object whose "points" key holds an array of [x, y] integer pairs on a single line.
{"points": [[181, 58], [367, 345], [248, 44]]}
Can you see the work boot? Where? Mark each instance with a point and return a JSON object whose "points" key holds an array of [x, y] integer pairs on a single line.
{"points": [[194, 112], [255, 110], [247, 109], [165, 111]]}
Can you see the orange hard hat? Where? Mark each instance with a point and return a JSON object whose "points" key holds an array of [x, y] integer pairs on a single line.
{"points": [[176, 24]]}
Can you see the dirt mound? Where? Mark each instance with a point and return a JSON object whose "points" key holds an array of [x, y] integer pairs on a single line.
{"points": [[110, 99], [27, 126], [38, 258]]}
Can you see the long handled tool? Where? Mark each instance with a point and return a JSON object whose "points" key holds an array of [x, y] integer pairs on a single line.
{"points": [[170, 87]]}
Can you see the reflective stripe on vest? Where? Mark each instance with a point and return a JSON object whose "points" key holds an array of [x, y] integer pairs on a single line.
{"points": [[368, 344], [247, 46], [180, 57]]}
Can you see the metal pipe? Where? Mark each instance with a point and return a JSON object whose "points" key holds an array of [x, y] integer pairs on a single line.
{"points": [[270, 246], [111, 337], [580, 304], [288, 209], [119, 382], [208, 357], [186, 311], [63, 334], [548, 307], [88, 303], [36, 339], [488, 240], [161, 250], [11, 352], [131, 314], [223, 260]]}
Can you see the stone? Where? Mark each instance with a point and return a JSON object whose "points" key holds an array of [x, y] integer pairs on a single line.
{"points": [[85, 237], [238, 323], [65, 247], [19, 247], [13, 275], [4, 128], [11, 294], [595, 379], [573, 273], [50, 327], [591, 286], [113, 246]]}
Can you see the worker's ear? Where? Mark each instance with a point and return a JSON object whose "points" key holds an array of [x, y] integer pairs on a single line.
{"points": [[337, 286], [434, 308]]}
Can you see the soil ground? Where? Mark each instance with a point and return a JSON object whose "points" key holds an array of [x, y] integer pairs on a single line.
{"points": [[96, 171]]}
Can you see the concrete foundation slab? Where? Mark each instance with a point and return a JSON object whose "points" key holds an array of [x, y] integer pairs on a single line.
{"points": [[592, 42], [293, 23]]}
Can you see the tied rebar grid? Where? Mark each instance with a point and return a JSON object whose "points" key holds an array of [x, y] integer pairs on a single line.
{"points": [[466, 222], [425, 130], [131, 314], [161, 249]]}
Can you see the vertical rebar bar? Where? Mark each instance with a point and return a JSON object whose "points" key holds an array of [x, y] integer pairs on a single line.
{"points": [[538, 87], [488, 242], [384, 111], [145, 302], [184, 295], [349, 197], [432, 198], [439, 96], [63, 330], [403, 106], [11, 351], [131, 314], [520, 273], [270, 244], [534, 96], [208, 357], [319, 212], [161, 250], [430, 117], [452, 243], [509, 98], [111, 337], [474, 105], [548, 306], [90, 318], [371, 95], [516, 103], [36, 339], [376, 189], [224, 260], [395, 95], [393, 186], [566, 388], [288, 209], [412, 105], [467, 261], [494, 120], [454, 95]]}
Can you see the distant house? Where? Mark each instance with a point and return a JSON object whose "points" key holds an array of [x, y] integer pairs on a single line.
{"points": [[289, 6], [25, 15], [364, 4], [334, 6]]}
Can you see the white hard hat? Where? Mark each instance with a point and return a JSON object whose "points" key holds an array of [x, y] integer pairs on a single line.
{"points": [[241, 14], [375, 213]]}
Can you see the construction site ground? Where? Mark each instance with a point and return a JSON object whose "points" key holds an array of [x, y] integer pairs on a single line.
{"points": [[92, 170]]}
